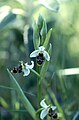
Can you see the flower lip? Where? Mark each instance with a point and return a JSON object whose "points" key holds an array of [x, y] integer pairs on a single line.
{"points": [[17, 69], [55, 115], [40, 58], [14, 70], [52, 113], [23, 67]]}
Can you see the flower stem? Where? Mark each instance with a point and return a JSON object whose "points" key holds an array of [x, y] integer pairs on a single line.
{"points": [[39, 83], [39, 87]]}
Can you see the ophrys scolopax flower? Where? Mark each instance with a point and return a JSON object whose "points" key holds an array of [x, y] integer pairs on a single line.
{"points": [[47, 110], [40, 55]]}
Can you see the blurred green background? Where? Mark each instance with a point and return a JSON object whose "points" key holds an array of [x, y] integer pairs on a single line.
{"points": [[15, 15]]}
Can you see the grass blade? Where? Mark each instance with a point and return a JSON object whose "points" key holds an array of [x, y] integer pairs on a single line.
{"points": [[21, 95]]}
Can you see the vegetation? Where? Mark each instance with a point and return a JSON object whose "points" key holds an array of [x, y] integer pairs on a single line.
{"points": [[56, 80]]}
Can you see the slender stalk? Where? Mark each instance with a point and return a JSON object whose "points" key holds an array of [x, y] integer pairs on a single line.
{"points": [[39, 93], [39, 83], [39, 87]]}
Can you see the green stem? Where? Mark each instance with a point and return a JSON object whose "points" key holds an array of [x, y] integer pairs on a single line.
{"points": [[39, 94], [39, 90], [39, 87], [39, 83]]}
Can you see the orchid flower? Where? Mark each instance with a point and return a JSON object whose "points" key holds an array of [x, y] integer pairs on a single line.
{"points": [[41, 54], [45, 109]]}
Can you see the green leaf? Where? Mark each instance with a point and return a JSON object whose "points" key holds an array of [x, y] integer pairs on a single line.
{"points": [[8, 19], [45, 65], [40, 22], [36, 32], [43, 32], [21, 95], [47, 38], [36, 39]]}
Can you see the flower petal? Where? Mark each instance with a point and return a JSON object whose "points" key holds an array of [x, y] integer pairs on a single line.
{"points": [[41, 48], [26, 72], [29, 66], [34, 53], [53, 107], [43, 114], [46, 55], [43, 104]]}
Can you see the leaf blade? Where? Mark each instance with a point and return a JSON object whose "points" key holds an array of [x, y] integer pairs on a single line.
{"points": [[23, 98], [47, 38]]}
